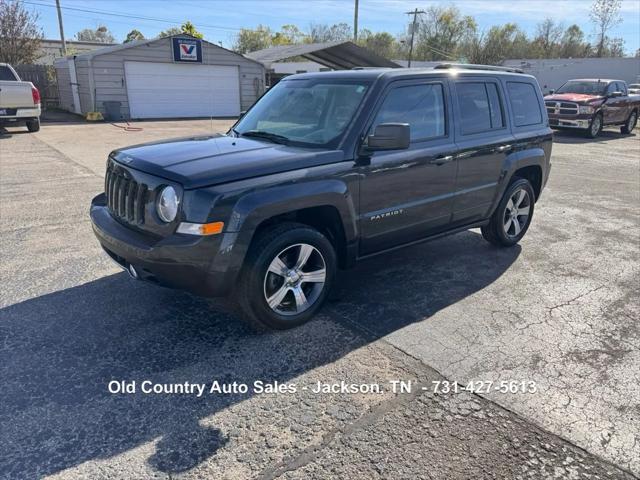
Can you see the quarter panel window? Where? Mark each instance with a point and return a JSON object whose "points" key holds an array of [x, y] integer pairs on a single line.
{"points": [[421, 106], [480, 108], [524, 103]]}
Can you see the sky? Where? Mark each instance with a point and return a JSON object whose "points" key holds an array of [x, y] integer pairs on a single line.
{"points": [[220, 20]]}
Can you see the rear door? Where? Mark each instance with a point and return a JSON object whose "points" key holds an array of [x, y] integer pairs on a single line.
{"points": [[484, 140], [614, 107], [406, 194]]}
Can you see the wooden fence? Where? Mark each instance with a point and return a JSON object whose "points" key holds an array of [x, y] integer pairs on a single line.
{"points": [[44, 78]]}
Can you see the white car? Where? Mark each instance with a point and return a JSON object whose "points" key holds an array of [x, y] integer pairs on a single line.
{"points": [[634, 88], [19, 101]]}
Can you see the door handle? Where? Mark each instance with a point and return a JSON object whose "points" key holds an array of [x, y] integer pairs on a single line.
{"points": [[441, 160], [503, 148]]}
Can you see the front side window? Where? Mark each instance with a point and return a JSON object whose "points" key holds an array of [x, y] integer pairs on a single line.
{"points": [[421, 106], [524, 103], [311, 112], [480, 108]]}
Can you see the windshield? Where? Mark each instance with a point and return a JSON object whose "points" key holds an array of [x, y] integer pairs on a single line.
{"points": [[312, 112], [585, 87]]}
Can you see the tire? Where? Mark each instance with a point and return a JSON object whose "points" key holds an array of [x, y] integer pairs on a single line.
{"points": [[507, 225], [630, 124], [33, 125], [595, 127], [290, 243]]}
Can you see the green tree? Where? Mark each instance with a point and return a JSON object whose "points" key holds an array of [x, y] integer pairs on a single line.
{"points": [[288, 35], [248, 40], [133, 35], [441, 33], [169, 32], [188, 28], [382, 43], [99, 35], [605, 15], [573, 44], [20, 34]]}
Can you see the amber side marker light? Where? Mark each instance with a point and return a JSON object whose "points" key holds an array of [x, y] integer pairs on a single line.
{"points": [[201, 228]]}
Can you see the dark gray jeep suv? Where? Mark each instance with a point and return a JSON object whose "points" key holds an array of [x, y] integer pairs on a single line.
{"points": [[325, 170]]}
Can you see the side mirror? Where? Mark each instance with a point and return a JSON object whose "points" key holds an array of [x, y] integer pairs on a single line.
{"points": [[389, 136], [552, 91], [242, 114], [616, 94]]}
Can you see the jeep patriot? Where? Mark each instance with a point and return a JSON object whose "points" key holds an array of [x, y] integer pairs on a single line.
{"points": [[327, 169]]}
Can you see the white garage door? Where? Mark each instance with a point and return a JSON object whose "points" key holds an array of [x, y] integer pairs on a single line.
{"points": [[173, 90]]}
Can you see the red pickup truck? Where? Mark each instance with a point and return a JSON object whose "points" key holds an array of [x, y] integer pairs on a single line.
{"points": [[590, 104]]}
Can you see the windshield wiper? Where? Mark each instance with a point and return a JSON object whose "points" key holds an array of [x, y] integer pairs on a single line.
{"points": [[274, 137]]}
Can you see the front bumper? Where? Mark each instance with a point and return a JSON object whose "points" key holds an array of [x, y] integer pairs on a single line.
{"points": [[185, 262], [560, 122]]}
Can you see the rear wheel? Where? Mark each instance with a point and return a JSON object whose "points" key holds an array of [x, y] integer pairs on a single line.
{"points": [[630, 124], [33, 125], [286, 277], [512, 218], [595, 127]]}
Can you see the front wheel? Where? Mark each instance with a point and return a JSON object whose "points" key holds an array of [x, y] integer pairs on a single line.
{"points": [[512, 218], [286, 278], [630, 124], [595, 127]]}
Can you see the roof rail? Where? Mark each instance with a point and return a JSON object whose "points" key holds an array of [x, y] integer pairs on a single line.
{"points": [[471, 66]]}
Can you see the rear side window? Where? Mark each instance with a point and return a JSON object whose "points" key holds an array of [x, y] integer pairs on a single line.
{"points": [[480, 107], [524, 103], [622, 88], [6, 74], [421, 106]]}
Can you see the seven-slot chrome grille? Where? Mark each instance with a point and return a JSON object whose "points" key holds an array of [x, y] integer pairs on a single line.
{"points": [[562, 108], [126, 198]]}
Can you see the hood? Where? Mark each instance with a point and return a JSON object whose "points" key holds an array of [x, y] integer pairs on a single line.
{"points": [[573, 97], [196, 162]]}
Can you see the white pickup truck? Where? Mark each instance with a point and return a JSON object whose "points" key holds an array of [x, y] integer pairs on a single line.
{"points": [[19, 101]]}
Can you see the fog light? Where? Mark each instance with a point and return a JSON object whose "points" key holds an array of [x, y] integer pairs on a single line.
{"points": [[200, 228]]}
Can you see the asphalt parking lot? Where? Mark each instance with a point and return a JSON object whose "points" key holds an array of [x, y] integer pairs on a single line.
{"points": [[562, 309]]}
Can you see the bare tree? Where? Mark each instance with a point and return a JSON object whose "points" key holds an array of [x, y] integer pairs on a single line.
{"points": [[605, 15], [19, 33], [548, 35]]}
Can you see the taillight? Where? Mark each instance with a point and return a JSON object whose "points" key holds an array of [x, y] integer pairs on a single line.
{"points": [[36, 95]]}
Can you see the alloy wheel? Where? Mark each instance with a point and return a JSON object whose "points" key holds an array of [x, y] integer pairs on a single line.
{"points": [[595, 126], [516, 214], [295, 279]]}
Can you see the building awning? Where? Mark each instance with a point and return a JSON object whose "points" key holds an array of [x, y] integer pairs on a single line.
{"points": [[336, 55]]}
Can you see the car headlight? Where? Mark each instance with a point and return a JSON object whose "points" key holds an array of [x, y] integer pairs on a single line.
{"points": [[588, 109], [167, 204]]}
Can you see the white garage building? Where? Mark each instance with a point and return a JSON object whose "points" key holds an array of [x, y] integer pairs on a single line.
{"points": [[172, 77]]}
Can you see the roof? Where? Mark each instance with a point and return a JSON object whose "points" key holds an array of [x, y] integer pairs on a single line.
{"points": [[337, 55], [601, 80], [138, 43]]}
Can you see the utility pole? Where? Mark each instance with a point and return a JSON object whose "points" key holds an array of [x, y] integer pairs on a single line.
{"points": [[415, 14], [64, 44], [355, 23]]}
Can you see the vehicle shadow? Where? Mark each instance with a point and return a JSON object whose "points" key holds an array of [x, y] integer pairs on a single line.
{"points": [[58, 353], [4, 133], [577, 137]]}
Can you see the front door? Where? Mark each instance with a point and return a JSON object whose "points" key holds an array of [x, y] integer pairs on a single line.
{"points": [[406, 194]]}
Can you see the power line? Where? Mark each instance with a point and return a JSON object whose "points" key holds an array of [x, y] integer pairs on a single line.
{"points": [[136, 17]]}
